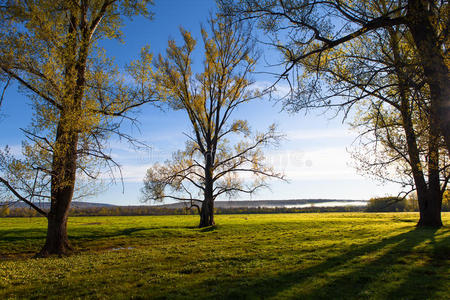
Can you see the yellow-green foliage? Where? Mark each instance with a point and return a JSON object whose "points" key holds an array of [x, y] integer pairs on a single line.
{"points": [[210, 161], [276, 256], [50, 49]]}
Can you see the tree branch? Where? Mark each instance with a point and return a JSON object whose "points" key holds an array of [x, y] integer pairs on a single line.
{"points": [[31, 204]]}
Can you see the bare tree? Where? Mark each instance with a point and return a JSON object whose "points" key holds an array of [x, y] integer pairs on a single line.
{"points": [[210, 165]]}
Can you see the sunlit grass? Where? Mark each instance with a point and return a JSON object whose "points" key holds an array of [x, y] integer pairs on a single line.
{"points": [[329, 255]]}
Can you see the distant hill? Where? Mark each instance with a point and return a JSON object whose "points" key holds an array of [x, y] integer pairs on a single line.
{"points": [[78, 208], [218, 204]]}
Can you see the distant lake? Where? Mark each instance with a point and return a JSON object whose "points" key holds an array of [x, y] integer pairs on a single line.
{"points": [[321, 204], [289, 203]]}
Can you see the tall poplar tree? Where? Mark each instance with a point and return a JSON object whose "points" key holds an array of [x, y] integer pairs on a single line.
{"points": [[211, 165]]}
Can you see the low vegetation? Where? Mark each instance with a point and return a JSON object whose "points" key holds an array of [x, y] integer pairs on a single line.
{"points": [[337, 255], [399, 204]]}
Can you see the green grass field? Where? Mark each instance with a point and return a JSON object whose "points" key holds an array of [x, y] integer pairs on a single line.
{"points": [[283, 256]]}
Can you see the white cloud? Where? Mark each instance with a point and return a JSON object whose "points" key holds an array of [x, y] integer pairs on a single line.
{"points": [[134, 173], [319, 134], [320, 164], [15, 150]]}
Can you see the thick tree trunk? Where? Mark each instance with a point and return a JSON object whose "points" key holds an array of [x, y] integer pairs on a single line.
{"points": [[57, 242], [430, 210], [207, 214], [430, 205], [63, 184], [433, 63], [207, 210], [429, 196]]}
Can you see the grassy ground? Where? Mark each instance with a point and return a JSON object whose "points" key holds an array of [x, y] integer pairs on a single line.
{"points": [[306, 256]]}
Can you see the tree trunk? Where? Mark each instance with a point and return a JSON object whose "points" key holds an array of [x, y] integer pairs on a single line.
{"points": [[435, 70], [207, 211], [430, 210], [63, 184], [428, 195], [64, 164], [57, 241], [207, 214]]}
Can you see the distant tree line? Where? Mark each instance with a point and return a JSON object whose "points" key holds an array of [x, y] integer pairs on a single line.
{"points": [[400, 204], [380, 204], [158, 211]]}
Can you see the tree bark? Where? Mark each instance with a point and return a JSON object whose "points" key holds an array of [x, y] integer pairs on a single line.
{"points": [[57, 242], [207, 210], [207, 214], [62, 188], [64, 165], [430, 210], [433, 63], [428, 195]]}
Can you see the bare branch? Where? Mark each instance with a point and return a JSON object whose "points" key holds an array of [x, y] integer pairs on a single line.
{"points": [[31, 204]]}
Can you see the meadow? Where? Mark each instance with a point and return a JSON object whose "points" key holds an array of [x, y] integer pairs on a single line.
{"points": [[270, 256]]}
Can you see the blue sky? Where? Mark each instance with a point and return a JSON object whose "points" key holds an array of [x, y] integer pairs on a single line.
{"points": [[314, 155]]}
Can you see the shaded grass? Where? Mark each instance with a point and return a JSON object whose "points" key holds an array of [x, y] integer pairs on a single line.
{"points": [[284, 256]]}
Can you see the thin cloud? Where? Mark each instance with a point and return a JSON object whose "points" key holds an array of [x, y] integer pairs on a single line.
{"points": [[278, 91], [319, 134], [321, 164]]}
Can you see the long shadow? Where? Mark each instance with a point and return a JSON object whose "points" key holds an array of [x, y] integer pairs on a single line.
{"points": [[363, 275], [272, 286], [13, 235], [22, 235], [76, 234], [431, 276], [96, 234]]}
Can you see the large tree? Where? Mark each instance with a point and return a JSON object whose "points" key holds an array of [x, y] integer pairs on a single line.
{"points": [[400, 141], [366, 53], [302, 28], [380, 73], [211, 165], [50, 49]]}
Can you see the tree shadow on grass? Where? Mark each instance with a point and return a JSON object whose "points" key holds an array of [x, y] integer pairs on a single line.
{"points": [[30, 238], [19, 235], [337, 277], [78, 235], [99, 234], [384, 272], [431, 277], [208, 229], [16, 235]]}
